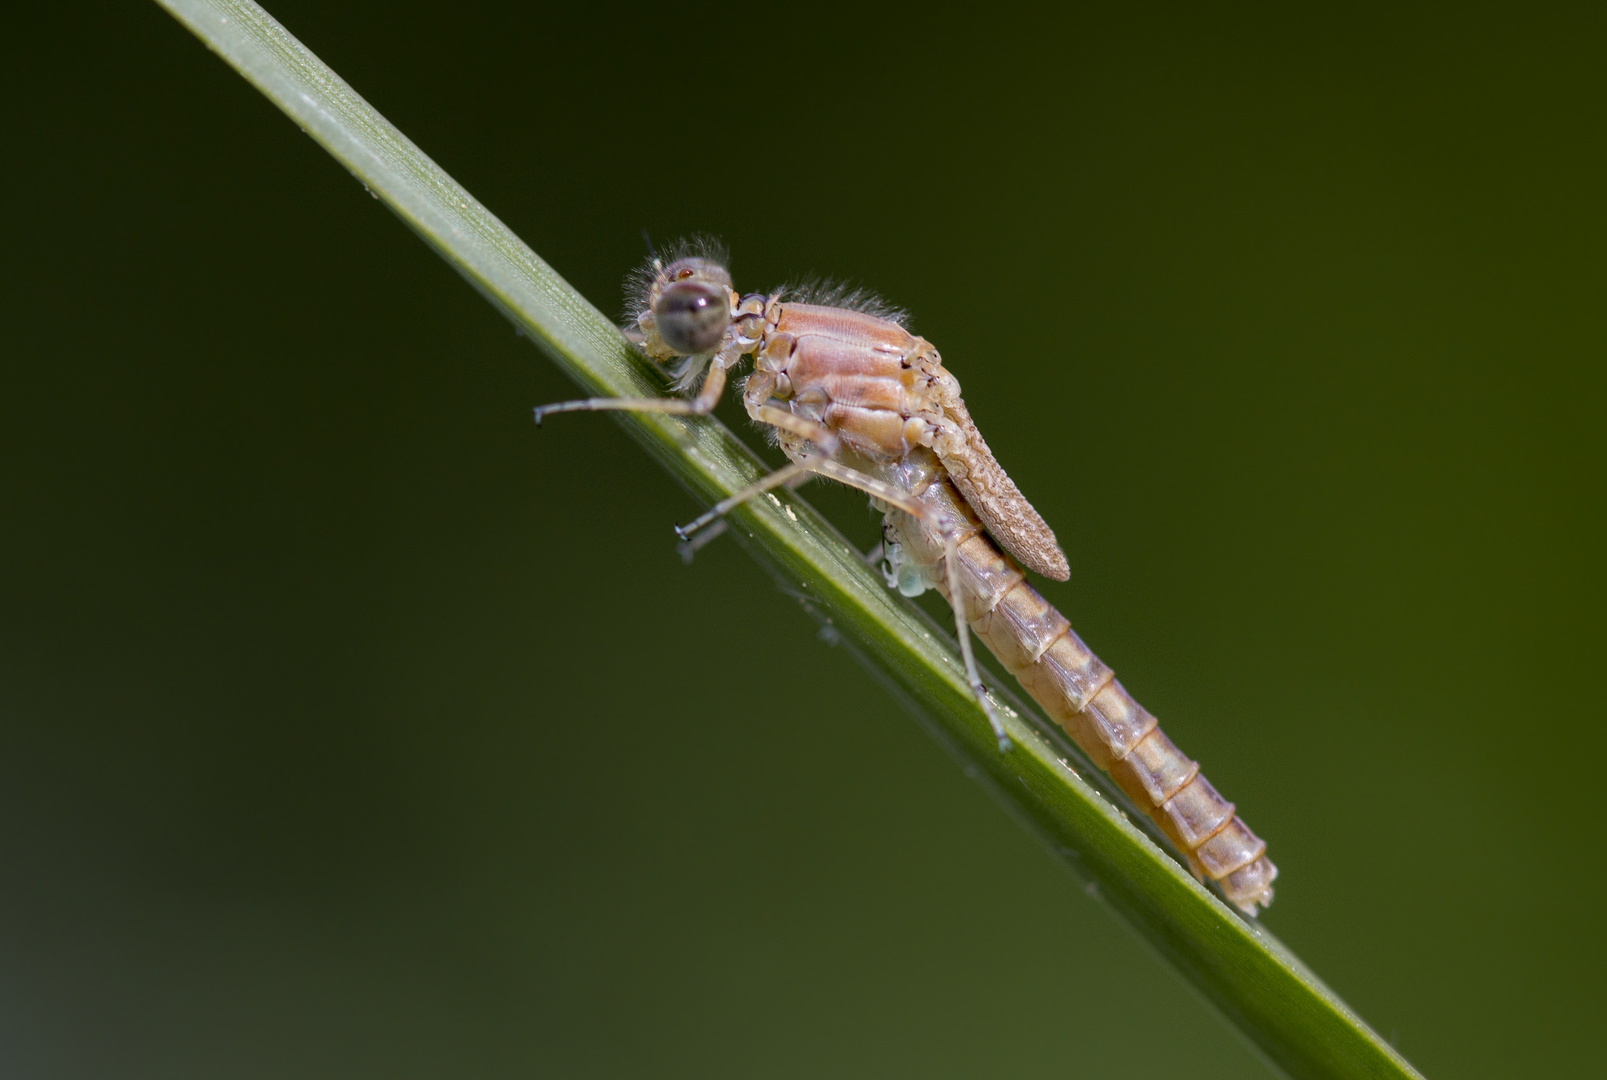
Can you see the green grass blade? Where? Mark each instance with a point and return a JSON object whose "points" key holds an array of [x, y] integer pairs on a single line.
{"points": [[1264, 990]]}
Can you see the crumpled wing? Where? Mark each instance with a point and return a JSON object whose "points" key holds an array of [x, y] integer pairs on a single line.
{"points": [[999, 503]]}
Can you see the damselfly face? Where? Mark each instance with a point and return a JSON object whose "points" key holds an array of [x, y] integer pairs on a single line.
{"points": [[688, 309]]}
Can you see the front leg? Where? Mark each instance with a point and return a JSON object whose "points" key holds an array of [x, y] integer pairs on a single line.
{"points": [[707, 397]]}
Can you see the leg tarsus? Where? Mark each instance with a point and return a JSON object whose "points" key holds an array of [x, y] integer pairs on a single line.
{"points": [[673, 406], [781, 476], [690, 546], [707, 397], [973, 675]]}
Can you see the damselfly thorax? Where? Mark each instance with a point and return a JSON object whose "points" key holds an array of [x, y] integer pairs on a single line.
{"points": [[850, 394]]}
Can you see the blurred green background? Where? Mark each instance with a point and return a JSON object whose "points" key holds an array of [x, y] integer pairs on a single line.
{"points": [[349, 725]]}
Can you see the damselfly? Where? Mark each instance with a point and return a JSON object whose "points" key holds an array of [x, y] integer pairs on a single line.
{"points": [[850, 394]]}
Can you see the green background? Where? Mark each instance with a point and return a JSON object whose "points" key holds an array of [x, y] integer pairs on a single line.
{"points": [[350, 725]]}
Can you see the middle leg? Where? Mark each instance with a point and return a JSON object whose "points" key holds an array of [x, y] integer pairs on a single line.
{"points": [[952, 535]]}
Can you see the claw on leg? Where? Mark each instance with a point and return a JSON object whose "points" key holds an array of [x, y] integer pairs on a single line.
{"points": [[692, 543]]}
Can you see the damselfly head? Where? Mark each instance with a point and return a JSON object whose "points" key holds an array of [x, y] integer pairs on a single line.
{"points": [[689, 308]]}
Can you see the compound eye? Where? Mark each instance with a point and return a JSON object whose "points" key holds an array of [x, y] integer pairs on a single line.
{"points": [[691, 316]]}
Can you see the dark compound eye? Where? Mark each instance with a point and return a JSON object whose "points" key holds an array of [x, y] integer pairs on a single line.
{"points": [[691, 316]]}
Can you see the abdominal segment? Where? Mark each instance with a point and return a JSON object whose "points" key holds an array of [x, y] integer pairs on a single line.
{"points": [[1037, 645]]}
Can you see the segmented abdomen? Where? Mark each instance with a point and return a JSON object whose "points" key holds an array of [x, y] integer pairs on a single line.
{"points": [[1036, 643]]}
